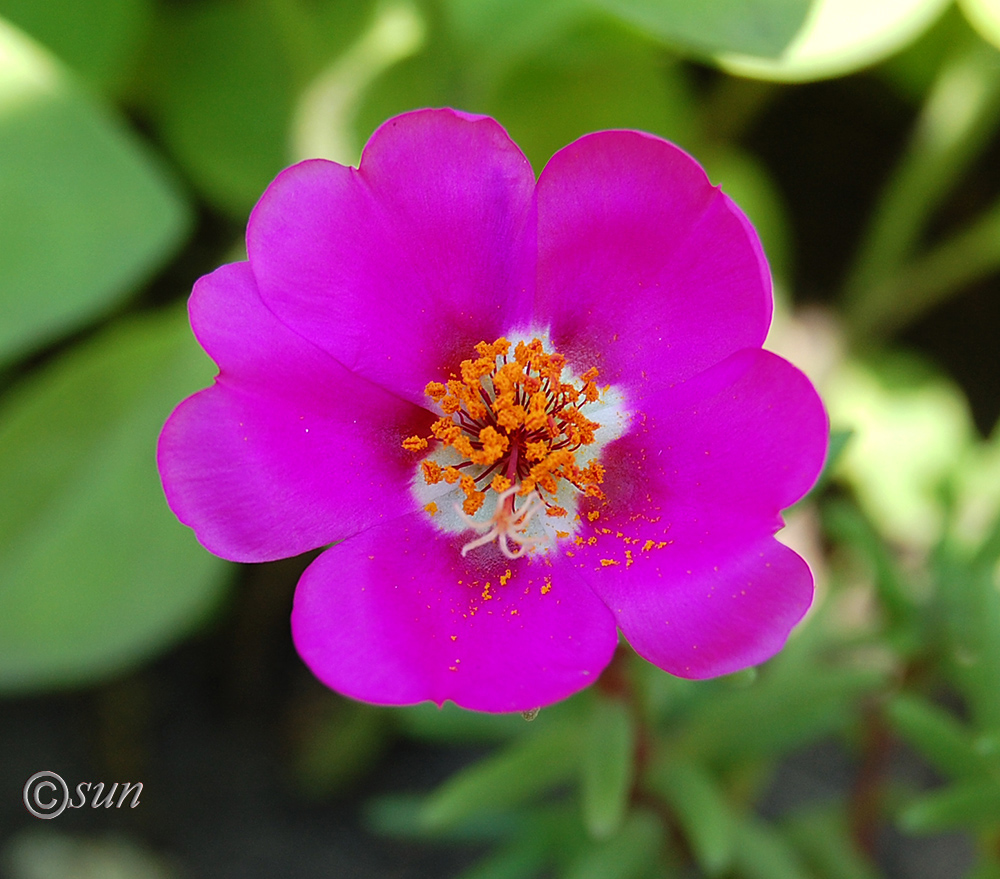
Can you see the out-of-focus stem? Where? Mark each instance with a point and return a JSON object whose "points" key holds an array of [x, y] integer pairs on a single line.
{"points": [[969, 256], [322, 120], [961, 112]]}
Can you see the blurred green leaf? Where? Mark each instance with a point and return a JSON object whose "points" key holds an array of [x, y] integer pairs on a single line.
{"points": [[898, 481], [629, 853], [701, 809], [223, 97], [958, 119], [494, 34], [339, 745], [839, 37], [518, 772], [226, 82], [761, 852], [85, 214], [754, 27], [402, 815], [97, 38], [985, 17], [778, 713], [970, 604], [845, 523], [325, 110], [608, 767], [591, 79], [516, 862], [96, 574], [823, 839], [961, 806], [940, 738], [987, 868]]}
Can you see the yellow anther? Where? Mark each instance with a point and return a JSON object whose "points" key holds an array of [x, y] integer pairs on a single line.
{"points": [[414, 443], [500, 483], [536, 451], [432, 472], [435, 390]]}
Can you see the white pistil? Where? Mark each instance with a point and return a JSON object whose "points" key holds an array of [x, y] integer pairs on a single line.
{"points": [[505, 525]]}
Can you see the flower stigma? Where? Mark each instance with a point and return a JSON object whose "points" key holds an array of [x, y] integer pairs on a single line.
{"points": [[518, 430]]}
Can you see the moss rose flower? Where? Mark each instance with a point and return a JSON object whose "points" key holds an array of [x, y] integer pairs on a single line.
{"points": [[532, 413]]}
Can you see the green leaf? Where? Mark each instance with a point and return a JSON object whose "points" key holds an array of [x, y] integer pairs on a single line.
{"points": [[629, 853], [755, 27], [591, 79], [496, 33], [96, 574], [608, 767], [961, 806], [779, 713], [970, 603], [701, 809], [822, 836], [942, 739], [97, 38], [839, 37], [762, 853], [985, 17], [85, 214], [227, 79], [339, 745], [520, 861], [518, 772]]}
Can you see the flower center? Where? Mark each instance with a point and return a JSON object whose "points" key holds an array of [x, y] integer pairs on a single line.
{"points": [[514, 427]]}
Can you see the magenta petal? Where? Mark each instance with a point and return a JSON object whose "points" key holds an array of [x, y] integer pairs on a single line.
{"points": [[287, 451], [712, 609], [682, 551], [395, 616], [398, 268], [644, 268]]}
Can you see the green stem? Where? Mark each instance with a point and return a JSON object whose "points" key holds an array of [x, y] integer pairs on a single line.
{"points": [[967, 257], [958, 118]]}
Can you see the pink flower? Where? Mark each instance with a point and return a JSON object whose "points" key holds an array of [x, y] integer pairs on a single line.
{"points": [[532, 413]]}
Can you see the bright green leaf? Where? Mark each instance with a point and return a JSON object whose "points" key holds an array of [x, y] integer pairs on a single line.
{"points": [[755, 27], [838, 37], [608, 767], [85, 214], [985, 17], [96, 574]]}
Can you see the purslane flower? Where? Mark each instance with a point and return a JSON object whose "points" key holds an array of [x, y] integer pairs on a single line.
{"points": [[528, 413]]}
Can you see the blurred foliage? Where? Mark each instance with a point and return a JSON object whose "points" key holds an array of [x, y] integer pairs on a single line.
{"points": [[136, 135]]}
